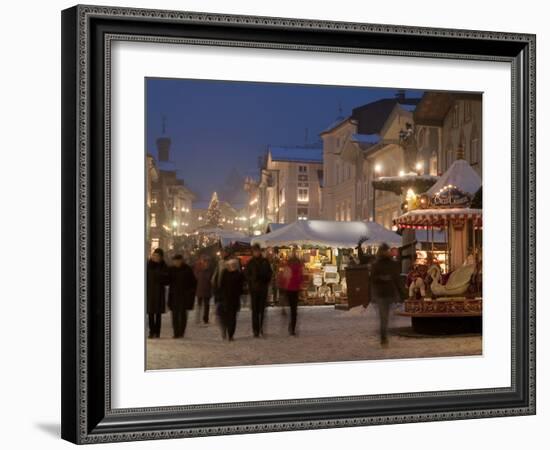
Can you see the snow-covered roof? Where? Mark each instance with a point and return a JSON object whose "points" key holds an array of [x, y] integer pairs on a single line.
{"points": [[328, 233], [407, 177], [339, 121], [407, 107], [461, 175], [297, 154], [366, 138]]}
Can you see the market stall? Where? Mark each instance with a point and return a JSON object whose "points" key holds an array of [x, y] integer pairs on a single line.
{"points": [[326, 247]]}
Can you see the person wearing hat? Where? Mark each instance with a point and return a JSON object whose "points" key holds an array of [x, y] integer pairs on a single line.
{"points": [[181, 295], [258, 275], [385, 287], [157, 280]]}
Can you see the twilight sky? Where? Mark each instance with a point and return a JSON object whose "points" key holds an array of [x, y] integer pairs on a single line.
{"points": [[220, 128]]}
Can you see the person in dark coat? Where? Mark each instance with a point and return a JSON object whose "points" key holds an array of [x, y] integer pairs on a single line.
{"points": [[157, 280], [203, 273], [294, 279], [181, 295], [258, 275], [231, 286], [385, 287]]}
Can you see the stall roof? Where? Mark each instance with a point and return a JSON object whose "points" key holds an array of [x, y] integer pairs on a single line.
{"points": [[438, 217], [328, 233], [461, 175]]}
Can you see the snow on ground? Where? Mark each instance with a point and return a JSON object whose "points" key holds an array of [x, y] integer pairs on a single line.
{"points": [[324, 334]]}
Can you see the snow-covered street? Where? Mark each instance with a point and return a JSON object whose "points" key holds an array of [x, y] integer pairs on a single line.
{"points": [[324, 334]]}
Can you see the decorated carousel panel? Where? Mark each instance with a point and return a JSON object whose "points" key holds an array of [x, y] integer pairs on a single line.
{"points": [[445, 294]]}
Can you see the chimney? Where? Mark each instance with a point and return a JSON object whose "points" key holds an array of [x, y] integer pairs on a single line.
{"points": [[400, 95]]}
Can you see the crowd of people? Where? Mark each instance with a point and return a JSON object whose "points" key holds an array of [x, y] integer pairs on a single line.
{"points": [[184, 288]]}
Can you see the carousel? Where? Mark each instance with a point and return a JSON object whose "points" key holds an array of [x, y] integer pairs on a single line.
{"points": [[445, 292]]}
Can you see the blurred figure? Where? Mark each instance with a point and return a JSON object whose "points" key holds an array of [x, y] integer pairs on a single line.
{"points": [[182, 293], [157, 280], [215, 283], [258, 275], [231, 287], [386, 287], [294, 277], [203, 274]]}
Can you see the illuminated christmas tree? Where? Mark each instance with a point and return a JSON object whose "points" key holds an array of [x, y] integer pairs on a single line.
{"points": [[213, 215]]}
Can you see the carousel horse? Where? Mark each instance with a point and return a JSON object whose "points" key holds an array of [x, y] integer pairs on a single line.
{"points": [[457, 284]]}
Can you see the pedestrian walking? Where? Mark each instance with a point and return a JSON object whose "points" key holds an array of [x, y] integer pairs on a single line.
{"points": [[231, 286], [203, 273], [294, 278], [258, 275], [215, 282], [157, 280], [385, 287], [181, 294]]}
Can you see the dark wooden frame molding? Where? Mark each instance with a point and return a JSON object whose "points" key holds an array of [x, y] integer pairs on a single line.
{"points": [[87, 33]]}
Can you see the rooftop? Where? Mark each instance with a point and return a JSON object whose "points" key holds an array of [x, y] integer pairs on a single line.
{"points": [[297, 154]]}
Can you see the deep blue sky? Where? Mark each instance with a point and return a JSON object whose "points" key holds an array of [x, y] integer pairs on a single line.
{"points": [[219, 126]]}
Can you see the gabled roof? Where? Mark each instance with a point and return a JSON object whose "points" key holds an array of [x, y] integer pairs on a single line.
{"points": [[337, 123], [297, 154], [372, 116]]}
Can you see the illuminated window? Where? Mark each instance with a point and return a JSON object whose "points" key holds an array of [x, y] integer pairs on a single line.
{"points": [[302, 213], [154, 244], [303, 194], [153, 220]]}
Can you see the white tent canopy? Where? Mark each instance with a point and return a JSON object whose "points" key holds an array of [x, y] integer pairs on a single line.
{"points": [[328, 233], [461, 175]]}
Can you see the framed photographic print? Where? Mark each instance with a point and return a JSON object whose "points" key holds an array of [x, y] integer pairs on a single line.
{"points": [[282, 224]]}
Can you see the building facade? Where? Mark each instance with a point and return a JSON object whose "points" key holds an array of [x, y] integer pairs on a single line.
{"points": [[290, 183], [445, 123], [169, 201], [356, 150]]}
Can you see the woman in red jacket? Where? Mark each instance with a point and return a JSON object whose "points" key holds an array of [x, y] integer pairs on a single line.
{"points": [[294, 278]]}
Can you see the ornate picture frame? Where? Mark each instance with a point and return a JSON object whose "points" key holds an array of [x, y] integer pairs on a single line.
{"points": [[87, 35]]}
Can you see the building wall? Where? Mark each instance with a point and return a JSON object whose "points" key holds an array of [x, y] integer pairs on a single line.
{"points": [[383, 205], [285, 191], [462, 126], [340, 175]]}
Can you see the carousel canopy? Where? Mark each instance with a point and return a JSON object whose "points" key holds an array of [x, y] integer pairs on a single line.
{"points": [[460, 175], [328, 233], [438, 217]]}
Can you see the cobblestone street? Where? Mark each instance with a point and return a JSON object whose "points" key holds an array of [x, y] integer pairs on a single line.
{"points": [[324, 334]]}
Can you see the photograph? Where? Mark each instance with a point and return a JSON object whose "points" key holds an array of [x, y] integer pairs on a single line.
{"points": [[302, 223]]}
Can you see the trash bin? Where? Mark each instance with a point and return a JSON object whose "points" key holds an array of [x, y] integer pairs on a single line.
{"points": [[358, 282]]}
